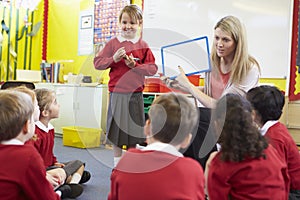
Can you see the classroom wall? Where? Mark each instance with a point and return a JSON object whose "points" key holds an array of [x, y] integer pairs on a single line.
{"points": [[23, 59], [63, 40]]}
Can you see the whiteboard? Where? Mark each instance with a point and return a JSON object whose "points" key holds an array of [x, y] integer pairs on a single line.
{"points": [[268, 26], [192, 54]]}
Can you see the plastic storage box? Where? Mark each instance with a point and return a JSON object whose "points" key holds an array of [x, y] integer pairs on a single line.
{"points": [[194, 79], [81, 137]]}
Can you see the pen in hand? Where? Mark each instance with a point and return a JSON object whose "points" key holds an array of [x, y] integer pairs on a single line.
{"points": [[126, 57]]}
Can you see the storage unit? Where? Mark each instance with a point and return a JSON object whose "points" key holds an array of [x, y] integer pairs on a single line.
{"points": [[80, 105], [81, 137], [149, 98]]}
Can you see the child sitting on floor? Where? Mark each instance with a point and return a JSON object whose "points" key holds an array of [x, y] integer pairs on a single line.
{"points": [[159, 171], [22, 173], [55, 176], [246, 167], [44, 142], [268, 102]]}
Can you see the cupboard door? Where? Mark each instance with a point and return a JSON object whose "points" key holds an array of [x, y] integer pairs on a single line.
{"points": [[65, 98]]}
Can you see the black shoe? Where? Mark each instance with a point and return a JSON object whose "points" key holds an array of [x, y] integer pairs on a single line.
{"points": [[86, 176], [65, 191], [70, 190], [76, 190]]}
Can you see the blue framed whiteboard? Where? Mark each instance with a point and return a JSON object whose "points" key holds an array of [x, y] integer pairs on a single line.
{"points": [[192, 55]]}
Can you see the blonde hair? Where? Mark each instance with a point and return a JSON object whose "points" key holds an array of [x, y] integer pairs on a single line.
{"points": [[26, 90], [134, 12], [242, 61], [16, 109], [44, 97]]}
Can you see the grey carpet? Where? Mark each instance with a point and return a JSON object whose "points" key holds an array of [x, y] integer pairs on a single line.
{"points": [[98, 163]]}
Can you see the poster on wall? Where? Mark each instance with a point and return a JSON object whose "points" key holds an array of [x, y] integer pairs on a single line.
{"points": [[294, 84], [106, 19], [86, 32]]}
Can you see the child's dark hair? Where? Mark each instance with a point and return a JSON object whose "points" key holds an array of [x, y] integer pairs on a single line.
{"points": [[267, 101], [172, 118], [239, 137]]}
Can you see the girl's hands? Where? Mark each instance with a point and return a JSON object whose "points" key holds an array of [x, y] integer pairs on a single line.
{"points": [[129, 61], [56, 176], [54, 181], [120, 53], [59, 164]]}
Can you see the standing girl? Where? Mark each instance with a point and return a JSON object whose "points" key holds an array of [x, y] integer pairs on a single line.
{"points": [[130, 60]]}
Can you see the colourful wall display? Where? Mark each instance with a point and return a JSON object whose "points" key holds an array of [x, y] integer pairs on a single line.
{"points": [[106, 19]]}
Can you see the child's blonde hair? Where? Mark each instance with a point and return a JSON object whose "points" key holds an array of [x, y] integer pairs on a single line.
{"points": [[134, 12], [26, 90], [44, 97]]}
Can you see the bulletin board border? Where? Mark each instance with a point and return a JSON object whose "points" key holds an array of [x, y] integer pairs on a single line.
{"points": [[295, 49]]}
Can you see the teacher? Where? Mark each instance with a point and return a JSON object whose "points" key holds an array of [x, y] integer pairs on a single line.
{"points": [[233, 71]]}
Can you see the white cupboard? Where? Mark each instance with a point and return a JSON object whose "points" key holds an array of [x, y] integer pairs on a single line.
{"points": [[80, 105]]}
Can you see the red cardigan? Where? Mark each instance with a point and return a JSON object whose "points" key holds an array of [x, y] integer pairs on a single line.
{"points": [[250, 179], [150, 175], [23, 175], [122, 78], [286, 147]]}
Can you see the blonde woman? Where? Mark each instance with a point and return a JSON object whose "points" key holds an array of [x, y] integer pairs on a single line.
{"points": [[233, 71]]}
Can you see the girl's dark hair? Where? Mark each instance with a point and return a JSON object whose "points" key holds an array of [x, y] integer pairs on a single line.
{"points": [[239, 137], [267, 101]]}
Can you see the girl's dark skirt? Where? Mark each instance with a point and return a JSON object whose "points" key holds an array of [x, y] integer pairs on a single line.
{"points": [[125, 119]]}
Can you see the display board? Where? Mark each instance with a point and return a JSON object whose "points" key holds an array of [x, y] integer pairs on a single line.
{"points": [[268, 25]]}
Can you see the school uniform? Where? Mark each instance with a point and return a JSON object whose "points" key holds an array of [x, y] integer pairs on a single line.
{"points": [[278, 135], [44, 144], [262, 178], [126, 118], [158, 171], [22, 173]]}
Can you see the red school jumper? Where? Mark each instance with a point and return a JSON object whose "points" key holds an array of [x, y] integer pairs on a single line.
{"points": [[286, 147], [45, 145], [262, 178], [23, 175], [150, 175]]}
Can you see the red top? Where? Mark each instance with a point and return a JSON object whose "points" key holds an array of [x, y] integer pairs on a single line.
{"points": [[150, 175], [263, 178], [218, 84], [122, 78], [23, 175], [286, 147], [45, 145]]}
